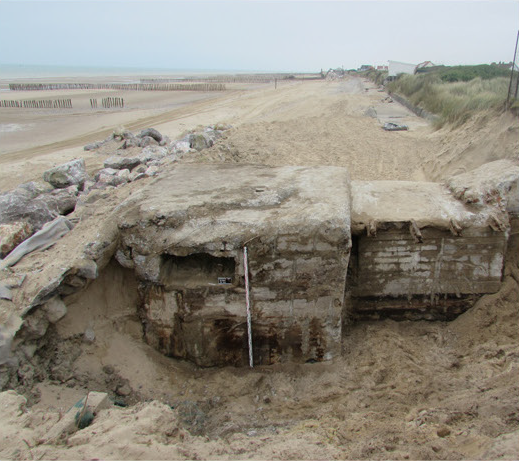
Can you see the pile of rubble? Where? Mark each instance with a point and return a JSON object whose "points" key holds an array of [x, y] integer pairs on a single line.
{"points": [[25, 210]]}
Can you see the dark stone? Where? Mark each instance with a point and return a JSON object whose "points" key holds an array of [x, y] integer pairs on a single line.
{"points": [[121, 163], [148, 141], [151, 132]]}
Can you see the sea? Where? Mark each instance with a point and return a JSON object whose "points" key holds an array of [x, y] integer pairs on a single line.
{"points": [[22, 71]]}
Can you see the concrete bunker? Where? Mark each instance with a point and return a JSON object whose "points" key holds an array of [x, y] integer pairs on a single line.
{"points": [[418, 253], [323, 251], [188, 256]]}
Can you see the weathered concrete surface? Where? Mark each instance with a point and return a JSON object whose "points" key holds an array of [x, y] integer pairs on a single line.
{"points": [[419, 251], [495, 182], [296, 224]]}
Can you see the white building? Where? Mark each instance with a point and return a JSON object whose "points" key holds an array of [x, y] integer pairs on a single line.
{"points": [[396, 67]]}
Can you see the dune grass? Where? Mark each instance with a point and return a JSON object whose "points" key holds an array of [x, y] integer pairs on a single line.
{"points": [[453, 102]]}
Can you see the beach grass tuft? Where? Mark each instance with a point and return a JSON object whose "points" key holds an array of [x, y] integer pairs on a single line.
{"points": [[453, 102]]}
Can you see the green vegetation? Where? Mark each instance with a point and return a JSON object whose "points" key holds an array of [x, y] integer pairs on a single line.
{"points": [[467, 73], [376, 76], [452, 94]]}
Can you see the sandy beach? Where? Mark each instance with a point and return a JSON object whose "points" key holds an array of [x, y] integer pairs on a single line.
{"points": [[33, 140], [401, 390]]}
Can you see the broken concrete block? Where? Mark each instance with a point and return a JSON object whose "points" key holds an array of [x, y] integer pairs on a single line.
{"points": [[495, 183], [75, 419]]}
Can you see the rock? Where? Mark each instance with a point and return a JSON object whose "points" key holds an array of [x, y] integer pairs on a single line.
{"points": [[152, 133], [124, 174], [36, 324], [121, 163], [130, 142], [87, 186], [92, 197], [165, 141], [20, 205], [152, 170], [93, 146], [106, 171], [147, 141], [111, 180], [63, 201], [35, 188], [200, 141], [89, 336], [371, 112], [212, 134], [8, 329], [151, 153], [443, 431], [11, 235], [109, 369], [125, 390], [179, 148], [68, 174], [136, 175], [14, 281], [5, 292], [55, 309]]}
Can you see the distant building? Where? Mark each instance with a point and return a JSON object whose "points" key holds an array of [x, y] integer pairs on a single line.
{"points": [[423, 65], [396, 67], [382, 68], [365, 67]]}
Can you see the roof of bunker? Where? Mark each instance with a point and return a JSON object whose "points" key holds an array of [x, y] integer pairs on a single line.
{"points": [[198, 203]]}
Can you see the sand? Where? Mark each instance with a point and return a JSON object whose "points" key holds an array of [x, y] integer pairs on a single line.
{"points": [[401, 390], [302, 122]]}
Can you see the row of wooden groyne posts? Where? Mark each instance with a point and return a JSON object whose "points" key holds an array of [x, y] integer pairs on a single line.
{"points": [[107, 103], [118, 86], [38, 104]]}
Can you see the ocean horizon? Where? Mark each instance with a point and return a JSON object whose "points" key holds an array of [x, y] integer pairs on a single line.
{"points": [[12, 71]]}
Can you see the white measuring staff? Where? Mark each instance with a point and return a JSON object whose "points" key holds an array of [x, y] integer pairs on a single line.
{"points": [[247, 298]]}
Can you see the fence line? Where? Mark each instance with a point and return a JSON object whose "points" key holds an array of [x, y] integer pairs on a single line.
{"points": [[219, 79], [111, 102], [118, 86], [38, 104]]}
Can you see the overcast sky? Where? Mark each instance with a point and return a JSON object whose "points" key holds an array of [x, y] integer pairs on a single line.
{"points": [[263, 35]]}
